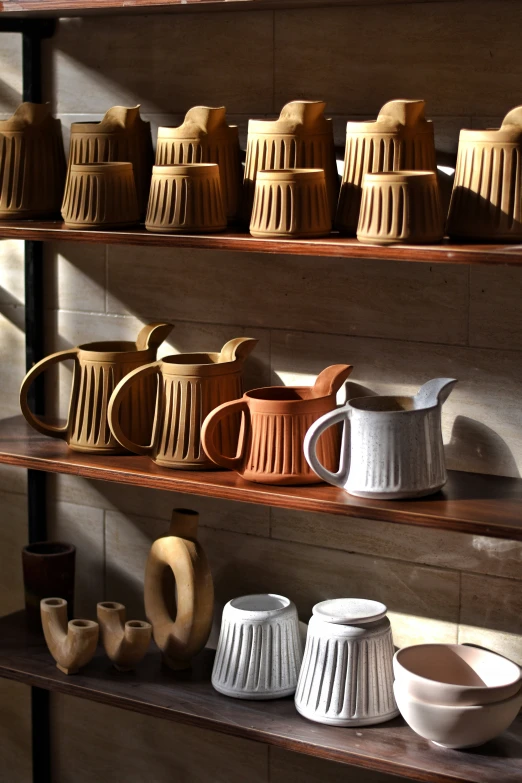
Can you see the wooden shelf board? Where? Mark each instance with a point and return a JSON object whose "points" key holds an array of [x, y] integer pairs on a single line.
{"points": [[188, 697], [332, 246], [470, 502]]}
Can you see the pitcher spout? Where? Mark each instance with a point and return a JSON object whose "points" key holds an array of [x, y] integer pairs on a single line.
{"points": [[152, 335], [434, 392], [330, 380], [237, 349]]}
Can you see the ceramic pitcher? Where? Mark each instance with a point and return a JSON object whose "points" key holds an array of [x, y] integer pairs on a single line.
{"points": [[98, 368], [392, 446], [275, 421], [190, 386]]}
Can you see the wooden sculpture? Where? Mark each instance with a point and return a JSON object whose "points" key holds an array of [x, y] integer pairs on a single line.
{"points": [[124, 642], [72, 644]]}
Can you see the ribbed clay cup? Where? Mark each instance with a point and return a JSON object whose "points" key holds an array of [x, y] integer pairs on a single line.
{"points": [[290, 203], [100, 195], [402, 206], [347, 677], [186, 199], [260, 650]]}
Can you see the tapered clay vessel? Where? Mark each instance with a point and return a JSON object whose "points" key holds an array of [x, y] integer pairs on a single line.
{"points": [[121, 136], [181, 615], [276, 419], [400, 139], [72, 644], [190, 386], [486, 202], [98, 368], [125, 643], [301, 138], [49, 568], [32, 163], [205, 137], [290, 204], [100, 195]]}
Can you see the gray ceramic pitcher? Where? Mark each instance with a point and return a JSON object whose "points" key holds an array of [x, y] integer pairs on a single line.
{"points": [[392, 447]]}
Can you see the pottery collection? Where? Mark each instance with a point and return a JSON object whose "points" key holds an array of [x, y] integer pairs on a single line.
{"points": [[48, 569]]}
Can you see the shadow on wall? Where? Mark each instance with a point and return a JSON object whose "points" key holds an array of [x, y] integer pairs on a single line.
{"points": [[478, 447]]}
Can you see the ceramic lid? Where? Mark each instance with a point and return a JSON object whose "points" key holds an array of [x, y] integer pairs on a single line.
{"points": [[349, 611]]}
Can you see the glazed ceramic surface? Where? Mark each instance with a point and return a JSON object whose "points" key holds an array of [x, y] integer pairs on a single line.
{"points": [[48, 568], [125, 643], [270, 448], [100, 195], [98, 368], [346, 678], [291, 203], [401, 206], [394, 447], [455, 674], [72, 644], [486, 202], [458, 726], [260, 650], [121, 136], [186, 198], [190, 387], [205, 137], [180, 613], [301, 138], [400, 139], [32, 163]]}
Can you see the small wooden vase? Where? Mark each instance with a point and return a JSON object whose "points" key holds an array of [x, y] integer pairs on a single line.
{"points": [[32, 163], [186, 199], [205, 137], [100, 195], [402, 206], [179, 639], [72, 644], [291, 204], [486, 202], [125, 643], [121, 136], [301, 138], [400, 139]]}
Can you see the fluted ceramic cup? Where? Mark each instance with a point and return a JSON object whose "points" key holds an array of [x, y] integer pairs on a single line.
{"points": [[186, 199], [400, 206], [260, 649], [290, 203], [347, 677], [100, 195]]}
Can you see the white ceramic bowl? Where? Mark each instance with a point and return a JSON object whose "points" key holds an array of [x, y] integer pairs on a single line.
{"points": [[460, 726], [455, 674]]}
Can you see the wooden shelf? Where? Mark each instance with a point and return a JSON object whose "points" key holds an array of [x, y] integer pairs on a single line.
{"points": [[332, 246], [470, 502], [188, 697]]}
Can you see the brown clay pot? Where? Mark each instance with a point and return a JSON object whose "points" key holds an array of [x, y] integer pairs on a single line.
{"points": [[32, 163], [48, 568], [276, 419], [190, 386], [98, 368], [291, 203]]}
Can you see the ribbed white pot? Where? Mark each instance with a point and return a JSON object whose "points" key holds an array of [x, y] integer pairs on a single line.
{"points": [[347, 676], [260, 650]]}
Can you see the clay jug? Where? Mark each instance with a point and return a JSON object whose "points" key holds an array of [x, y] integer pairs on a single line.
{"points": [[302, 138], [121, 136], [486, 202], [276, 419], [392, 446], [190, 386], [32, 163], [401, 138], [205, 137], [180, 615], [98, 368]]}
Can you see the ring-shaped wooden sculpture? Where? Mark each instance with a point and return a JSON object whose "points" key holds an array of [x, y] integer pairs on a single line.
{"points": [[181, 637]]}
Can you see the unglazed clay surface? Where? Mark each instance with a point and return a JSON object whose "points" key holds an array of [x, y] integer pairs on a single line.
{"points": [[125, 643], [100, 195], [72, 644]]}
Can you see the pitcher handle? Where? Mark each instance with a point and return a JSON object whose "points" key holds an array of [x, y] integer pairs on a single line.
{"points": [[34, 372], [113, 413], [340, 478], [208, 432]]}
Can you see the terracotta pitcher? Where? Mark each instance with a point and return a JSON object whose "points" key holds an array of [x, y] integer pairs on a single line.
{"points": [[190, 386], [275, 422], [98, 368]]}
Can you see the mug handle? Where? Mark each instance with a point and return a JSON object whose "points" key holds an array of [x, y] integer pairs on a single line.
{"points": [[113, 413], [340, 478], [208, 432], [34, 372]]}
